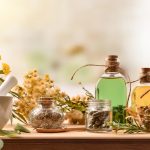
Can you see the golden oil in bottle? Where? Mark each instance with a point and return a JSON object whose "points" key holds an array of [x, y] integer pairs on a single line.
{"points": [[141, 93]]}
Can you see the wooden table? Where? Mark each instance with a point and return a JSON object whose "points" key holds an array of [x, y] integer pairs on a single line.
{"points": [[77, 140]]}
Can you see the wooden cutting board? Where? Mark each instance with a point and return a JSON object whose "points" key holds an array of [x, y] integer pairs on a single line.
{"points": [[41, 130]]}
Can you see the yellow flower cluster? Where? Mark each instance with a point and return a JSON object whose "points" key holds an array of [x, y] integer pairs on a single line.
{"points": [[5, 68], [33, 88], [36, 86], [80, 99]]}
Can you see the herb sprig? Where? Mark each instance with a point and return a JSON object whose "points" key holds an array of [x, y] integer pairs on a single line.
{"points": [[127, 128]]}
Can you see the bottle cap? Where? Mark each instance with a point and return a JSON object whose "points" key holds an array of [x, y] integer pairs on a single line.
{"points": [[145, 75], [46, 101], [112, 63], [112, 57], [145, 70]]}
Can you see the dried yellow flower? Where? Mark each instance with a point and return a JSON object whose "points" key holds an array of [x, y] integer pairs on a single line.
{"points": [[36, 86], [5, 68]]}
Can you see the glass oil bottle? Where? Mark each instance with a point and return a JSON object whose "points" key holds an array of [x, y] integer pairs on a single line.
{"points": [[112, 86], [141, 93]]}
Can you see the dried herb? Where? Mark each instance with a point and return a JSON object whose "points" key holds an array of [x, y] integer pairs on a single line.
{"points": [[47, 119], [136, 122], [128, 128], [36, 86], [89, 94], [98, 119], [144, 114]]}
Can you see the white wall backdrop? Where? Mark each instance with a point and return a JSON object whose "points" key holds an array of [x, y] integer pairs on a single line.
{"points": [[50, 29]]}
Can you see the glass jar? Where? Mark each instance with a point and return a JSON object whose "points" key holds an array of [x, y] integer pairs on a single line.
{"points": [[99, 116], [46, 115]]}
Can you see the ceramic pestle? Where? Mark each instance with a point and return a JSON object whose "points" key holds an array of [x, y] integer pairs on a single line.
{"points": [[7, 85]]}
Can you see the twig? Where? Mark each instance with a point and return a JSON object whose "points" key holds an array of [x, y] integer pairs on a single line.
{"points": [[88, 65]]}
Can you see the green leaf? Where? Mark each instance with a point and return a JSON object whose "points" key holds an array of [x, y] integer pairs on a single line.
{"points": [[8, 133], [1, 72], [13, 133], [17, 117], [14, 94], [20, 116], [2, 80], [21, 128], [1, 144]]}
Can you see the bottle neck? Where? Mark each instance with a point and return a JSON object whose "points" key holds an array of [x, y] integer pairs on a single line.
{"points": [[45, 103], [112, 70], [99, 104], [112, 75]]}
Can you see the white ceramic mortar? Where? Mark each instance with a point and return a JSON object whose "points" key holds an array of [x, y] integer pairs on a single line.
{"points": [[6, 103]]}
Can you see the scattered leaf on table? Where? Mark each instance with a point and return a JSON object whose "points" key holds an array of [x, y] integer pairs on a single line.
{"points": [[21, 128], [8, 133]]}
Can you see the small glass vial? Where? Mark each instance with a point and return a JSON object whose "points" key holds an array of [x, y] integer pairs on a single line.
{"points": [[46, 115], [99, 116]]}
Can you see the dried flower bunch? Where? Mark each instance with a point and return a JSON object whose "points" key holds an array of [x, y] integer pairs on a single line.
{"points": [[4, 70], [35, 86], [142, 116], [136, 122]]}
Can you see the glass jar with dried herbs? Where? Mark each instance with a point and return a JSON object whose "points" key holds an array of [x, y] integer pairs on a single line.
{"points": [[99, 116], [46, 115]]}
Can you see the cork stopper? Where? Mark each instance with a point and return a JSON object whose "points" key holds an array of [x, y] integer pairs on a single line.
{"points": [[112, 57], [45, 101], [145, 70], [112, 63], [145, 75]]}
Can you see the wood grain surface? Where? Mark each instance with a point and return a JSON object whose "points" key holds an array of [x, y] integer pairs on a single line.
{"points": [[81, 144], [77, 140]]}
